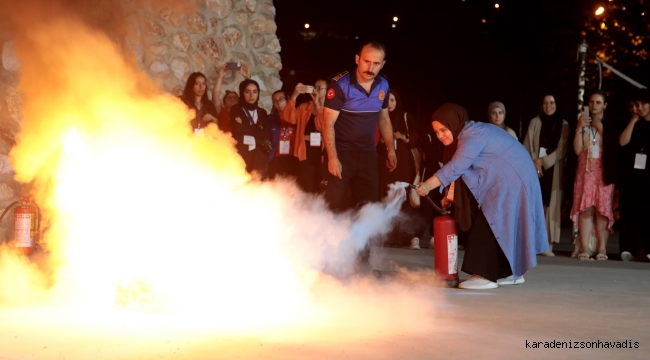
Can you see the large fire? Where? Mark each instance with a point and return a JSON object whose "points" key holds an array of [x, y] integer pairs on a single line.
{"points": [[154, 234]]}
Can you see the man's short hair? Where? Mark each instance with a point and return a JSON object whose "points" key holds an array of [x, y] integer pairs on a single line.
{"points": [[373, 44]]}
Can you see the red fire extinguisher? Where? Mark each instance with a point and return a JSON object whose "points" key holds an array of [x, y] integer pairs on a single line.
{"points": [[445, 245], [446, 249], [26, 225]]}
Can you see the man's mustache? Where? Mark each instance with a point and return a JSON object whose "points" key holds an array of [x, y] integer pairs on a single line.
{"points": [[369, 73]]}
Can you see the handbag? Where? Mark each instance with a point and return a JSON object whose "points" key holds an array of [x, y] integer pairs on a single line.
{"points": [[266, 145]]}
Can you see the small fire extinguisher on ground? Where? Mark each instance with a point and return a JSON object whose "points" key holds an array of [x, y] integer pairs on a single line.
{"points": [[26, 224]]}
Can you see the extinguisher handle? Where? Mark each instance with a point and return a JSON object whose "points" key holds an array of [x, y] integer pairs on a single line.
{"points": [[433, 204]]}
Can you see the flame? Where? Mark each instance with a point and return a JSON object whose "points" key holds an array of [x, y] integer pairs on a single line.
{"points": [[152, 230]]}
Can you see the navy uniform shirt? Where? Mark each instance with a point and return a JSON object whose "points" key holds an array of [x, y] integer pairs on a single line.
{"points": [[359, 110]]}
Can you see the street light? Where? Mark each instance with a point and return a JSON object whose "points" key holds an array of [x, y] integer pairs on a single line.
{"points": [[600, 10], [496, 6], [395, 19], [306, 26]]}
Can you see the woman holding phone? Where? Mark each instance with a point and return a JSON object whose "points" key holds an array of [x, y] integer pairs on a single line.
{"points": [[592, 196], [546, 141], [307, 119], [230, 98]]}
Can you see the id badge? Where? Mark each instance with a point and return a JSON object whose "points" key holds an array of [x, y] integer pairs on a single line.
{"points": [[250, 141], [314, 139], [198, 132], [285, 145], [594, 151], [640, 161], [542, 152]]}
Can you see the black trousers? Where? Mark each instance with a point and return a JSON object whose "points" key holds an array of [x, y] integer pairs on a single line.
{"points": [[483, 254], [634, 205], [360, 173], [309, 176]]}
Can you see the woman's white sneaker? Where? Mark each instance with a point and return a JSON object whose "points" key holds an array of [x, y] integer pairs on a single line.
{"points": [[477, 282], [510, 280], [415, 244]]}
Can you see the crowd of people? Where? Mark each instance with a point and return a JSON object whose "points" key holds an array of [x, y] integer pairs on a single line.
{"points": [[349, 137]]}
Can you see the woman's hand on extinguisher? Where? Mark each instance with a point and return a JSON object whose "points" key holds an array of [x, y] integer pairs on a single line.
{"points": [[445, 203], [423, 189]]}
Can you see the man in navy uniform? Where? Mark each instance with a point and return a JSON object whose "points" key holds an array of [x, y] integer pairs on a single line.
{"points": [[355, 104]]}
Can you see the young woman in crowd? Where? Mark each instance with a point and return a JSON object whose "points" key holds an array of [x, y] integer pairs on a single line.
{"points": [[251, 129], [307, 119], [592, 197], [634, 192], [497, 116], [546, 142], [405, 141], [229, 99], [490, 168], [195, 97], [282, 162]]}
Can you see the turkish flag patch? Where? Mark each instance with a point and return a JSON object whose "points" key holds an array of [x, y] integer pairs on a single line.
{"points": [[330, 93], [382, 95]]}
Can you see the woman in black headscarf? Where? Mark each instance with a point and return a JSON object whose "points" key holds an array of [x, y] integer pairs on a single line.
{"points": [[251, 128], [546, 142], [405, 141], [405, 135]]}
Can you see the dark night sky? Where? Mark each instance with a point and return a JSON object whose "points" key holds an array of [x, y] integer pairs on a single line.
{"points": [[441, 51]]}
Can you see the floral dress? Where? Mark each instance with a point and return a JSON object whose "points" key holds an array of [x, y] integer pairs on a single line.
{"points": [[589, 187]]}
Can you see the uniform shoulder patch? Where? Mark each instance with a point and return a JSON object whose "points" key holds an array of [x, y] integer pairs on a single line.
{"points": [[331, 93], [339, 76]]}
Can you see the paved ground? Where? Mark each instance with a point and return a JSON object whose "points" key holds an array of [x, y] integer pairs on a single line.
{"points": [[579, 303]]}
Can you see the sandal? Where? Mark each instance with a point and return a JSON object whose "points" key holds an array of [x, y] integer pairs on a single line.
{"points": [[601, 257], [583, 256]]}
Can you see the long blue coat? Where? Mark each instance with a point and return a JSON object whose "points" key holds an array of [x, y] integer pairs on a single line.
{"points": [[499, 172]]}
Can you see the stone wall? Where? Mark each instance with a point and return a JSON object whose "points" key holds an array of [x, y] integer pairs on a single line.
{"points": [[169, 44]]}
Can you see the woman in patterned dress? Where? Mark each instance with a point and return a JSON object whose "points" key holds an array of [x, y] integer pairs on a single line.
{"points": [[592, 198]]}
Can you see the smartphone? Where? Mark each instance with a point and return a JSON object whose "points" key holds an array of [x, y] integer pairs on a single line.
{"points": [[233, 66], [309, 89], [585, 111]]}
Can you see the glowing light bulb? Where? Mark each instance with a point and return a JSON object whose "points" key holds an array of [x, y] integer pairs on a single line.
{"points": [[496, 6], [600, 10], [395, 18], [306, 26]]}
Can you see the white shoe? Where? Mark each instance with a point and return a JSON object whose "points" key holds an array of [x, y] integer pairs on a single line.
{"points": [[431, 243], [510, 280], [626, 256], [477, 282], [415, 244]]}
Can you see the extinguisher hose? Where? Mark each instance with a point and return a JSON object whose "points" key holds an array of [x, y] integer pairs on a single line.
{"points": [[8, 208]]}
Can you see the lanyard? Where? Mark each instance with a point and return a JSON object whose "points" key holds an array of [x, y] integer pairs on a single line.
{"points": [[251, 116], [593, 132]]}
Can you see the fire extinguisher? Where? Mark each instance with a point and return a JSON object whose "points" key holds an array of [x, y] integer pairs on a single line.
{"points": [[445, 246], [446, 249], [26, 224]]}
